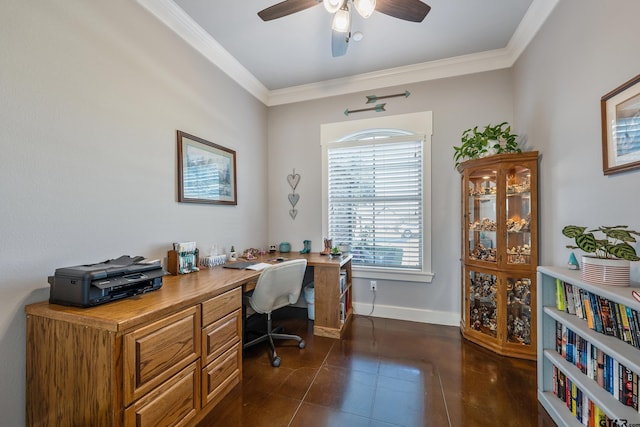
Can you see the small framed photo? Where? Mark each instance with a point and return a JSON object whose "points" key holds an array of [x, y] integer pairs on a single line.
{"points": [[620, 111], [206, 171]]}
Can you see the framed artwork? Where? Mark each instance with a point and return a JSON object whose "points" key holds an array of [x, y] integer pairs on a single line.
{"points": [[620, 111], [206, 172]]}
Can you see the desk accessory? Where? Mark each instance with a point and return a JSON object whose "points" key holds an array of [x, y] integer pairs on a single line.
{"points": [[285, 247], [183, 258], [328, 245], [307, 247], [214, 258]]}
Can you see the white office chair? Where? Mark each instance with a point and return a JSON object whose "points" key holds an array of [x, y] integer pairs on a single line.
{"points": [[278, 286]]}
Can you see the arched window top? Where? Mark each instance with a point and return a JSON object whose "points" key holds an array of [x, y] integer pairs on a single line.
{"points": [[369, 134]]}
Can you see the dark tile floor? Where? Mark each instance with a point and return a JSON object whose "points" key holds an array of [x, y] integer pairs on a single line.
{"points": [[383, 373]]}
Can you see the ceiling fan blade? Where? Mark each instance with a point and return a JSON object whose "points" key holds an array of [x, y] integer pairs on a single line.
{"points": [[409, 10], [339, 43], [285, 8]]}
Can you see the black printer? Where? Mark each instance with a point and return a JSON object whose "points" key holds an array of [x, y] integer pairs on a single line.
{"points": [[94, 284]]}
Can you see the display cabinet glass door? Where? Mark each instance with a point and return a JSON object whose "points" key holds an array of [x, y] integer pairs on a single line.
{"points": [[518, 215], [482, 215], [483, 304], [519, 292]]}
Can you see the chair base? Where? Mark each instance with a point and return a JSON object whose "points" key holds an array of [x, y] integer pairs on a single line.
{"points": [[273, 334]]}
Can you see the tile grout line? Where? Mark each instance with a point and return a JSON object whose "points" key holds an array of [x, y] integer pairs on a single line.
{"points": [[324, 361], [444, 398]]}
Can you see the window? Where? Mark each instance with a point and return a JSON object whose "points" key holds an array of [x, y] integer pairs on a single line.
{"points": [[375, 195]]}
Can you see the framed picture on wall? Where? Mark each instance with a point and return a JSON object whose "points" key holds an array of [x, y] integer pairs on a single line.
{"points": [[206, 171], [620, 111]]}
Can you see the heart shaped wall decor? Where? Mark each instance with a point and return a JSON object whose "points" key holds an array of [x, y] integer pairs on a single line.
{"points": [[293, 199], [293, 179]]}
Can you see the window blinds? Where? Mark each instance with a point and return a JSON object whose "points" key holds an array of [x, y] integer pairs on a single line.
{"points": [[375, 200]]}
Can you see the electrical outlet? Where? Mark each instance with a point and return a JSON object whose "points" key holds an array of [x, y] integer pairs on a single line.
{"points": [[373, 285]]}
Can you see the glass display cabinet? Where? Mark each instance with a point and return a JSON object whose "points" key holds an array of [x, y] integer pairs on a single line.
{"points": [[500, 252]]}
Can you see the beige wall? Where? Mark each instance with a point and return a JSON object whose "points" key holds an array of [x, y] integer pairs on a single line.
{"points": [[91, 95], [294, 142], [584, 50]]}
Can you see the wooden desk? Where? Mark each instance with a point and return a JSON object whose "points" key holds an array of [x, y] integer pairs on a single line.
{"points": [[328, 296], [173, 353]]}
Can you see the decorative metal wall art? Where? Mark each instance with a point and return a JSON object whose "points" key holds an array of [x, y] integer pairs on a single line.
{"points": [[293, 179], [375, 98], [378, 108]]}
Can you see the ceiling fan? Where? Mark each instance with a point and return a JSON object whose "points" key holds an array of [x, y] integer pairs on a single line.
{"points": [[408, 10]]}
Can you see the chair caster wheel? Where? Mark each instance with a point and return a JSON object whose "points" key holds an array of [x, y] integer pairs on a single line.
{"points": [[301, 344], [275, 362]]}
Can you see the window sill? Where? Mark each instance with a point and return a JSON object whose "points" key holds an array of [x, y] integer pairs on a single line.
{"points": [[392, 274]]}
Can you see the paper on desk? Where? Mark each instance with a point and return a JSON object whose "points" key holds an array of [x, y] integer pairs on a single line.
{"points": [[259, 266]]}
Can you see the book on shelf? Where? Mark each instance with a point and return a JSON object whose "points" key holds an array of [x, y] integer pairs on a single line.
{"points": [[578, 404], [614, 377], [605, 315], [560, 295], [601, 314]]}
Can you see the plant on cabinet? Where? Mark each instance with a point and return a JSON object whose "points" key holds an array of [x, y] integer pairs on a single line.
{"points": [[476, 143]]}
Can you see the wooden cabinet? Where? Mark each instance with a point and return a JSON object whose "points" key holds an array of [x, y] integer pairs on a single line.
{"points": [[333, 298], [595, 365], [500, 252], [162, 359], [221, 346], [156, 352], [165, 358]]}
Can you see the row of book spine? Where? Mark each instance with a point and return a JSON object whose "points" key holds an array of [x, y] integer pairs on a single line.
{"points": [[620, 381], [578, 403], [601, 314]]}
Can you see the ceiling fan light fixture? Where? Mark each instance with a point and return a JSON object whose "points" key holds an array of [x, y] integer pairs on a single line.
{"points": [[365, 7], [342, 20], [332, 6]]}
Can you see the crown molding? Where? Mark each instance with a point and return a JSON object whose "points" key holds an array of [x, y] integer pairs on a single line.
{"points": [[182, 24], [451, 67]]}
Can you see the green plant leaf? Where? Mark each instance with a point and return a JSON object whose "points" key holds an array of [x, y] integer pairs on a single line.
{"points": [[624, 251], [573, 231], [587, 242], [618, 234]]}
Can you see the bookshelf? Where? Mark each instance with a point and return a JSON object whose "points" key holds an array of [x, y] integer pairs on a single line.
{"points": [[571, 347]]}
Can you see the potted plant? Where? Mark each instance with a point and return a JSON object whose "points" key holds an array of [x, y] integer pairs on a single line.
{"points": [[611, 252], [481, 143]]}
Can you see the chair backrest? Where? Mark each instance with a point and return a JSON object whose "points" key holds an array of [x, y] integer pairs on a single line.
{"points": [[278, 285]]}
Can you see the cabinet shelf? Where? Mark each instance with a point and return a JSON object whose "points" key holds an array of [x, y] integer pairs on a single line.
{"points": [[619, 350], [557, 409]]}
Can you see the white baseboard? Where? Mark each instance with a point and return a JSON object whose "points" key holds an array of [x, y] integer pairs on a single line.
{"points": [[412, 314]]}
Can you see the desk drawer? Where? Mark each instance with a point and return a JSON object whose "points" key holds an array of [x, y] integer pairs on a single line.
{"points": [[155, 352], [174, 403], [221, 335], [221, 375], [221, 305]]}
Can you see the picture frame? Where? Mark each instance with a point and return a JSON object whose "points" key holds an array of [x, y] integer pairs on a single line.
{"points": [[620, 110], [206, 171]]}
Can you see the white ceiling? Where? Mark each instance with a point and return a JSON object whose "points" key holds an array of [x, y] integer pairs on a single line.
{"points": [[289, 59]]}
